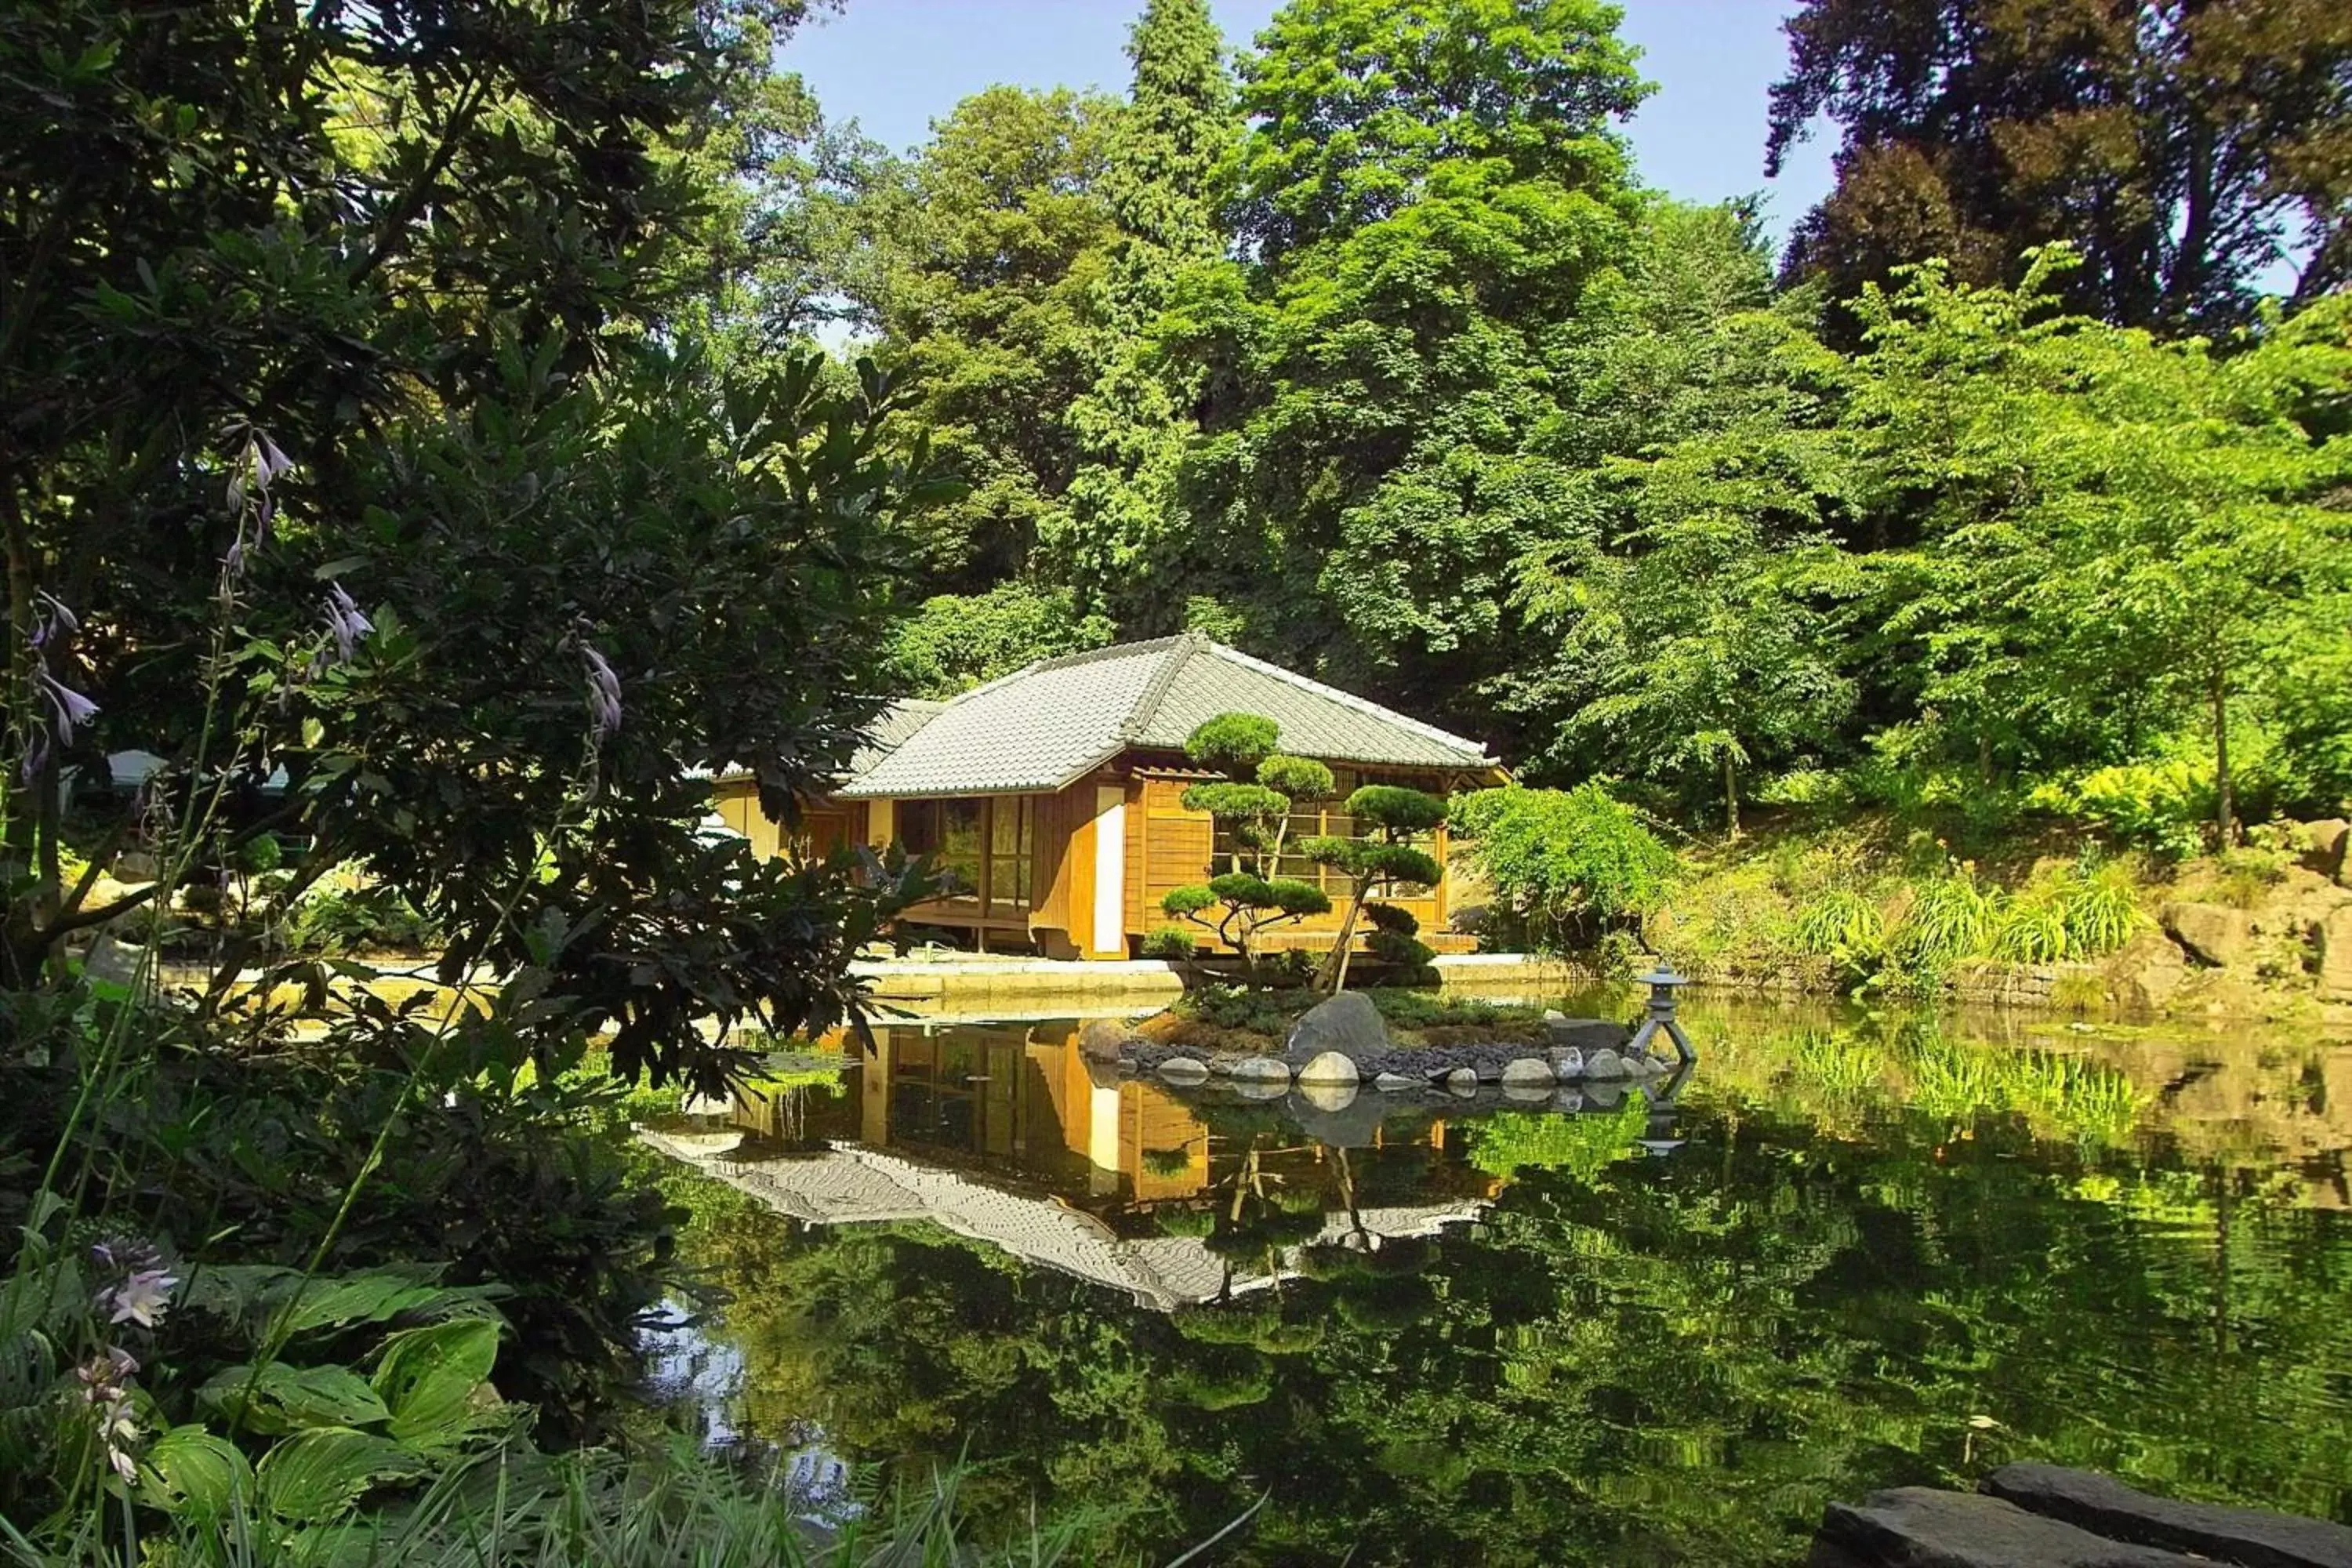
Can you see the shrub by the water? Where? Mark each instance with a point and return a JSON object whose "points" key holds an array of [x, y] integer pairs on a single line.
{"points": [[1565, 865]]}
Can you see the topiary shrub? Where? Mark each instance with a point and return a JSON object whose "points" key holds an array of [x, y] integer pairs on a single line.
{"points": [[1395, 942], [1384, 862], [1235, 742], [1173, 943], [1252, 811]]}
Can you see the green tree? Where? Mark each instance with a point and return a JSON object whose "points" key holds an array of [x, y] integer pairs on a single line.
{"points": [[2185, 147], [1382, 858], [1563, 863], [1427, 195], [1698, 639], [1168, 147], [953, 642], [2112, 524], [343, 451], [993, 243]]}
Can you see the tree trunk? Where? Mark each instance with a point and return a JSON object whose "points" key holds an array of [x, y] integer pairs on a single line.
{"points": [[1334, 978], [2225, 816], [1730, 796]]}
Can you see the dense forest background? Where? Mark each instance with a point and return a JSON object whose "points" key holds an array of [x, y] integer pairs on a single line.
{"points": [[2018, 480]]}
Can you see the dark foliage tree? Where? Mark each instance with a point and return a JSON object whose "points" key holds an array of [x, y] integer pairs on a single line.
{"points": [[338, 449], [2187, 146]]}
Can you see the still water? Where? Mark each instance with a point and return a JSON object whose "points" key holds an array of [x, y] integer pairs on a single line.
{"points": [[1849, 1251]]}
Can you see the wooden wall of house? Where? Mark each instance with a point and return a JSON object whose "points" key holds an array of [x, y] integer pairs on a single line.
{"points": [[826, 824], [1168, 846], [1064, 865], [737, 801]]}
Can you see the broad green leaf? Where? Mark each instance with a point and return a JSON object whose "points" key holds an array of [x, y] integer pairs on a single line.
{"points": [[317, 1475], [192, 1471], [287, 1398], [429, 1377], [376, 1296], [234, 1291]]}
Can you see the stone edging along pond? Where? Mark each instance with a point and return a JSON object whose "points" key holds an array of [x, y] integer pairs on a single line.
{"points": [[1342, 1044]]}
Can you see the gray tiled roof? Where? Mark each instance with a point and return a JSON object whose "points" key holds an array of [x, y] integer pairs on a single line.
{"points": [[1043, 726], [848, 1184], [884, 735], [889, 730]]}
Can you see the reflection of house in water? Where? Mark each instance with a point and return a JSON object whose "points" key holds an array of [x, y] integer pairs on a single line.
{"points": [[1006, 1135]]}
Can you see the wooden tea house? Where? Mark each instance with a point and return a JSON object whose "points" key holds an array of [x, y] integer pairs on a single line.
{"points": [[1052, 797]]}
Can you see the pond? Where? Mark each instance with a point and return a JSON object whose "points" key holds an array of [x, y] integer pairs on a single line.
{"points": [[1852, 1251]]}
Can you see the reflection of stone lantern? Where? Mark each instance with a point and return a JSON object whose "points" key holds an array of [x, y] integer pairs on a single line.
{"points": [[1662, 983]]}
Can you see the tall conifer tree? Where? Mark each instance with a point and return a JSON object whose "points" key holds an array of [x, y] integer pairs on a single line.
{"points": [[1132, 426]]}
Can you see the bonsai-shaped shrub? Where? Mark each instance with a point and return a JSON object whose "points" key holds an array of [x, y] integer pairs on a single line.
{"points": [[1396, 942], [1253, 806], [1381, 861]]}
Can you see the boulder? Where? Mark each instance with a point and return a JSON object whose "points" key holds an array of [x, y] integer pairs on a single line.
{"points": [[1567, 1061], [1585, 1033], [1261, 1069], [2105, 1506], [1604, 1063], [2213, 935], [2324, 846], [1918, 1527], [2146, 973], [1184, 1069], [1331, 1068], [1463, 1081], [1524, 1072], [1394, 1082], [1103, 1041], [2331, 937], [1348, 1023]]}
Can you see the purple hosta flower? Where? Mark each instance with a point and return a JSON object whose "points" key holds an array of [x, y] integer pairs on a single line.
{"points": [[103, 1376], [349, 627], [125, 1255], [269, 462], [603, 695], [68, 707], [105, 1387], [52, 618], [257, 468], [143, 1298], [117, 1429]]}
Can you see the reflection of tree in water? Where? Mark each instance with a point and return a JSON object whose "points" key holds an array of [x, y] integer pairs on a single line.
{"points": [[1630, 1361]]}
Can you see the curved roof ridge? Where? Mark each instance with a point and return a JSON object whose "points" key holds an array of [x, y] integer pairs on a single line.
{"points": [[1148, 701], [1349, 699]]}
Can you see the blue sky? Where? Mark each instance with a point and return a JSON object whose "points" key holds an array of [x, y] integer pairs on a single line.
{"points": [[896, 65]]}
